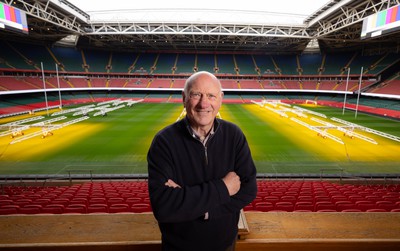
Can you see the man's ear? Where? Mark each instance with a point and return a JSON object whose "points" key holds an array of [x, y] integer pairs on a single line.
{"points": [[183, 99]]}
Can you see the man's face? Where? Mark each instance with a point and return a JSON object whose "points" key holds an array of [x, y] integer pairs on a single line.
{"points": [[203, 102]]}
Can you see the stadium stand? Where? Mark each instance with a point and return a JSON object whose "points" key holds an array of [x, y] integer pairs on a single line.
{"points": [[70, 59], [335, 63], [310, 64], [160, 83], [12, 83], [287, 64], [133, 197], [391, 87], [250, 84], [144, 63], [21, 56], [245, 64], [229, 84], [265, 64], [226, 64], [116, 215], [349, 217], [205, 62], [178, 83], [165, 63], [96, 61], [185, 63]]}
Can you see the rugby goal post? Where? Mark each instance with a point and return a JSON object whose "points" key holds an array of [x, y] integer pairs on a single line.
{"points": [[312, 102]]}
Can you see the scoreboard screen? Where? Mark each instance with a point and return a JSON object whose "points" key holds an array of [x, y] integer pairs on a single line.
{"points": [[13, 19], [381, 23]]}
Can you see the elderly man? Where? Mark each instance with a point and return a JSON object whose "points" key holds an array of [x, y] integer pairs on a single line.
{"points": [[201, 173]]}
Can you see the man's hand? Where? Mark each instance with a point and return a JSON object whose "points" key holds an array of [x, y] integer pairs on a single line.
{"points": [[232, 183], [171, 183]]}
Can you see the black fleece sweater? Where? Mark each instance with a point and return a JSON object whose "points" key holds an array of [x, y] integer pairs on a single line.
{"points": [[177, 154]]}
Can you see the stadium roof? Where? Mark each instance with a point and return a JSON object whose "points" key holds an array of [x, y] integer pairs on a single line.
{"points": [[289, 26], [205, 11]]}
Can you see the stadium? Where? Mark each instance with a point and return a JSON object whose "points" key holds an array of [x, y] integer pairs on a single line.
{"points": [[84, 90]]}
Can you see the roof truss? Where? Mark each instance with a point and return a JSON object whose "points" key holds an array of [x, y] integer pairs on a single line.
{"points": [[197, 29], [348, 15], [338, 21]]}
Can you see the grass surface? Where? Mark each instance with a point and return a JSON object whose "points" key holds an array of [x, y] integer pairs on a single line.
{"points": [[118, 143]]}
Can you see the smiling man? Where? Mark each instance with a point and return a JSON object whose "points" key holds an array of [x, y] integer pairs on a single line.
{"points": [[201, 173]]}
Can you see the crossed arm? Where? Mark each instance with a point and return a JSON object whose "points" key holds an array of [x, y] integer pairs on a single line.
{"points": [[225, 195], [231, 180]]}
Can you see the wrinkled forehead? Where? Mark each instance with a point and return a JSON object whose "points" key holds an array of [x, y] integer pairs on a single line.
{"points": [[205, 83]]}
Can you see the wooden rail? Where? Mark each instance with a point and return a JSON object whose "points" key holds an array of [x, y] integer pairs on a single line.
{"points": [[322, 231], [276, 231]]}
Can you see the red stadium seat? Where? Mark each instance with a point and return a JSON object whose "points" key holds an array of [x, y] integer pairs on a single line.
{"points": [[376, 210], [391, 198], [29, 210], [262, 194], [324, 205], [115, 200], [387, 205], [345, 205], [42, 201], [284, 206], [355, 198], [304, 205], [97, 195], [60, 201], [7, 211], [133, 200], [76, 208], [141, 208], [256, 200], [322, 198], [78, 200], [264, 206], [16, 207], [111, 195], [127, 195], [373, 198], [119, 208], [352, 210], [6, 202], [97, 200], [277, 193], [68, 196], [142, 195], [22, 202], [53, 209], [271, 198], [97, 208], [336, 198], [365, 205], [308, 198], [288, 198]]}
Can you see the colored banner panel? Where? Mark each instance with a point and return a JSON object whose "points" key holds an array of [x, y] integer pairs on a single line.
{"points": [[381, 23], [13, 19]]}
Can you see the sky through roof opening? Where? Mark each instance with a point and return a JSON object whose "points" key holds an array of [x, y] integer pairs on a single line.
{"points": [[249, 11]]}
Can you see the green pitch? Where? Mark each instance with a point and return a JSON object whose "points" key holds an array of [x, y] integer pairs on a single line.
{"points": [[118, 143]]}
